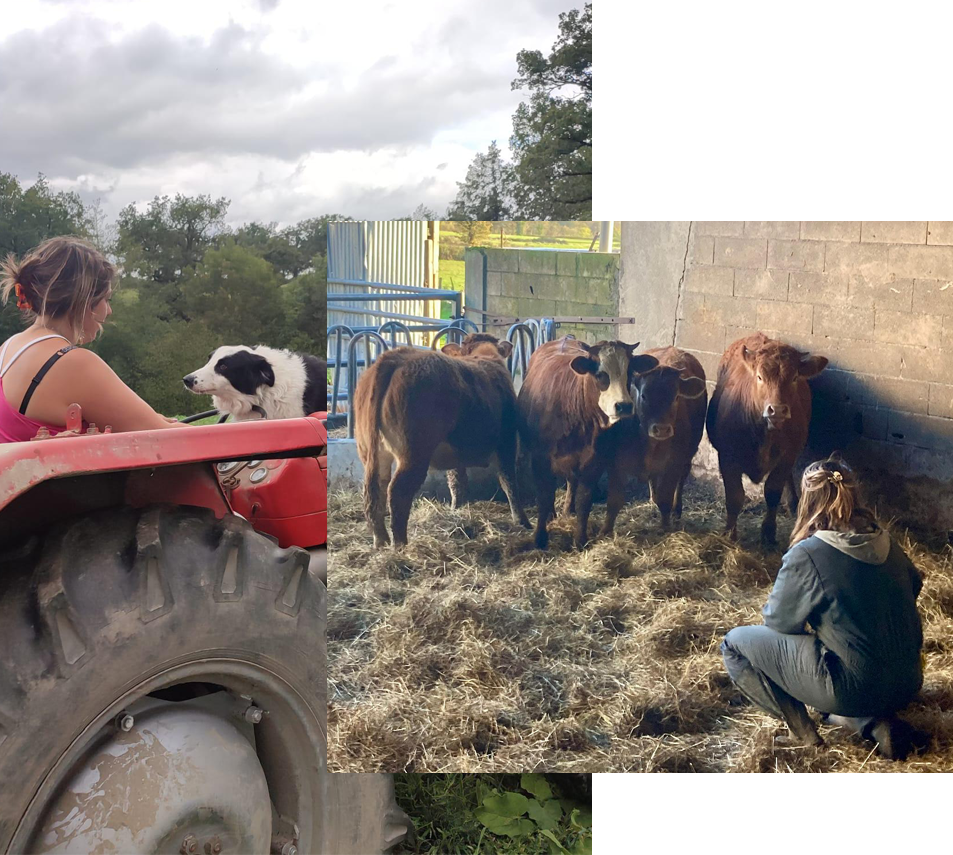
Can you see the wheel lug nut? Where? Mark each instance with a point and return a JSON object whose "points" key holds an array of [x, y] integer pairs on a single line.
{"points": [[189, 846], [125, 722], [254, 714]]}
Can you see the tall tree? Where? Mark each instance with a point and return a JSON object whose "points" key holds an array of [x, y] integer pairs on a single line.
{"points": [[552, 133], [166, 243], [235, 294], [487, 191], [305, 300]]}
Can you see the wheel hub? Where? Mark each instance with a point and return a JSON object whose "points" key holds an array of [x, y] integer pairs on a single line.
{"points": [[183, 779]]}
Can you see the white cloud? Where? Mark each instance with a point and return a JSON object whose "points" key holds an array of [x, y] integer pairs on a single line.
{"points": [[290, 109]]}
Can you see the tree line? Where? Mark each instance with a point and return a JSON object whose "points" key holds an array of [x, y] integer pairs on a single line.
{"points": [[550, 175], [188, 282]]}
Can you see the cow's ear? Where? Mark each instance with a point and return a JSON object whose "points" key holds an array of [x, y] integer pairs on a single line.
{"points": [[505, 348], [452, 349], [812, 366], [750, 358], [642, 363], [584, 365], [691, 387]]}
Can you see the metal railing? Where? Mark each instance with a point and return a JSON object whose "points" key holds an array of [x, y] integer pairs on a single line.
{"points": [[352, 350], [349, 303]]}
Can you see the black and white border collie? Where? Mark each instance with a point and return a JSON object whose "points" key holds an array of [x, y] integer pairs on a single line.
{"points": [[262, 382]]}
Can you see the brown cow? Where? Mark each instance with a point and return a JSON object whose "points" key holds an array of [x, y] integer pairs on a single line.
{"points": [[571, 403], [670, 405], [758, 422], [426, 409]]}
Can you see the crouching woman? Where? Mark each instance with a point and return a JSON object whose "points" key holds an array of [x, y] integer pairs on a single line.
{"points": [[857, 590]]}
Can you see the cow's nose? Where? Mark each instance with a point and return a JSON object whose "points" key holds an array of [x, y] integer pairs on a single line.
{"points": [[659, 431], [189, 380], [624, 409], [777, 411]]}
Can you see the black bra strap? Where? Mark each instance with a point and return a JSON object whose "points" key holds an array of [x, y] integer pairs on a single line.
{"points": [[41, 374]]}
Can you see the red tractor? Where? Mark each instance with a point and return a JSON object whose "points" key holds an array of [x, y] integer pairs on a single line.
{"points": [[162, 647]]}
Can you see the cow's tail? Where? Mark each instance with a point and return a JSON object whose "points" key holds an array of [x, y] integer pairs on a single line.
{"points": [[368, 405]]}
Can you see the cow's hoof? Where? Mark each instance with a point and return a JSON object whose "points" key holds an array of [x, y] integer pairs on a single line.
{"points": [[523, 522], [769, 543], [541, 541]]}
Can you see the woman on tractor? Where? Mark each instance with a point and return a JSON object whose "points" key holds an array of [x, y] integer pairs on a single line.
{"points": [[63, 288], [856, 588]]}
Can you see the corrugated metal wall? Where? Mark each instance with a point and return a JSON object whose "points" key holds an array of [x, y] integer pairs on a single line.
{"points": [[394, 253]]}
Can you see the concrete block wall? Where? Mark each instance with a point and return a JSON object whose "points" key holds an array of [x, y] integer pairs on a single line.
{"points": [[533, 283], [876, 298]]}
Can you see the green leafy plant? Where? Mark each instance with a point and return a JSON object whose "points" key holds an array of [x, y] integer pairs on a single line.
{"points": [[565, 826]]}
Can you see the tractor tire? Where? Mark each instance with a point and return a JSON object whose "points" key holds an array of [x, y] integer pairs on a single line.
{"points": [[362, 815], [125, 607]]}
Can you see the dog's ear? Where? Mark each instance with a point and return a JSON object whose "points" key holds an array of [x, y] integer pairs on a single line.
{"points": [[267, 374]]}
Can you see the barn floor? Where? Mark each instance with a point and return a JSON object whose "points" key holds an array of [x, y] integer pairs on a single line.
{"points": [[472, 651]]}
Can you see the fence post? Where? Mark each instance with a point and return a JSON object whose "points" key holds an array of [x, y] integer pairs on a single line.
{"points": [[367, 336], [395, 328], [522, 338], [338, 331]]}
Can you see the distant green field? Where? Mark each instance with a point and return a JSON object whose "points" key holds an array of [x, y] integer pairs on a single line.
{"points": [[451, 274], [452, 271]]}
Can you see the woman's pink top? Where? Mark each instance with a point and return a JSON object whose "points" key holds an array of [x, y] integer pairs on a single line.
{"points": [[15, 427]]}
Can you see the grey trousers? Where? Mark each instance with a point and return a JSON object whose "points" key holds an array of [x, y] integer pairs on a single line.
{"points": [[761, 661]]}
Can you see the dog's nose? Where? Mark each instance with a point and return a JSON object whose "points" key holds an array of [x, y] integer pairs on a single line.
{"points": [[189, 380]]}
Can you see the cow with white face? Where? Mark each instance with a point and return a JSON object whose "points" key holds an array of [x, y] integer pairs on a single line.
{"points": [[608, 362], [572, 403]]}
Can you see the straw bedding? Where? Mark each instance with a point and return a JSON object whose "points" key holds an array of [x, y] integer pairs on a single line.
{"points": [[472, 651]]}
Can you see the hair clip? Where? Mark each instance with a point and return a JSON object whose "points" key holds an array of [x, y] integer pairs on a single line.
{"points": [[835, 477], [22, 302]]}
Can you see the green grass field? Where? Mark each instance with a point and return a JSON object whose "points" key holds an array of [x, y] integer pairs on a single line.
{"points": [[452, 273], [211, 420]]}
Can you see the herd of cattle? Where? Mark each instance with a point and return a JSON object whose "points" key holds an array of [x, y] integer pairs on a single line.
{"points": [[582, 411]]}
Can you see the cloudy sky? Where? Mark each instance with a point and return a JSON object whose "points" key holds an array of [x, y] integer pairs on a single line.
{"points": [[290, 108]]}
